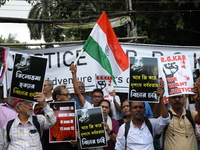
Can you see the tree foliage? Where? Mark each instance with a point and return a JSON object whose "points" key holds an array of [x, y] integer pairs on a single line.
{"points": [[12, 39], [163, 21]]}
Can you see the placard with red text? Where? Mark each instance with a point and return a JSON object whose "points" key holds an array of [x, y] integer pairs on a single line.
{"points": [[177, 74]]}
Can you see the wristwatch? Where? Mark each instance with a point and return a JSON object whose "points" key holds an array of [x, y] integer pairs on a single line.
{"points": [[111, 132]]}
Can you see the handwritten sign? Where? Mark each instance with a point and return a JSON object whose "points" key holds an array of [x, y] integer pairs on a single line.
{"points": [[177, 74], [143, 79], [64, 129], [92, 132], [28, 76]]}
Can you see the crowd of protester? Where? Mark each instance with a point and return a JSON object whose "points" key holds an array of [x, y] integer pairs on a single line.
{"points": [[168, 128]]}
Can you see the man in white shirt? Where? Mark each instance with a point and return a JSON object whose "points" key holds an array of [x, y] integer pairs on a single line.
{"points": [[139, 136]]}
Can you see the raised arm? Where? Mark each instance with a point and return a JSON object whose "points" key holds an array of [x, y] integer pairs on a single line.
{"points": [[73, 70], [160, 108]]}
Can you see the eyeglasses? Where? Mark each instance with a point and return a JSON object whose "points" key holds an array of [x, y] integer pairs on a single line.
{"points": [[67, 95], [26, 103], [95, 96], [175, 97], [106, 107]]}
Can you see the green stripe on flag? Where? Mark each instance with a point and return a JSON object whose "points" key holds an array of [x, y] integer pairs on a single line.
{"points": [[96, 52]]}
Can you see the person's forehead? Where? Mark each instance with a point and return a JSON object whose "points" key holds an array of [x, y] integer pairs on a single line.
{"points": [[176, 96], [125, 103], [64, 91], [80, 84], [45, 81], [104, 104], [137, 104], [97, 93]]}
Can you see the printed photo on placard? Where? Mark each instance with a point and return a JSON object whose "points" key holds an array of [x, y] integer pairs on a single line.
{"points": [[143, 79], [92, 132], [28, 76], [177, 74], [64, 129], [3, 62]]}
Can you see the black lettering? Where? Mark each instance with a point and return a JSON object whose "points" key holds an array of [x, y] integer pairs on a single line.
{"points": [[60, 81], [127, 80], [156, 52], [89, 79], [70, 81], [49, 58], [38, 54], [131, 51], [55, 81], [177, 53], [58, 59], [195, 60], [120, 79], [65, 81], [64, 58]]}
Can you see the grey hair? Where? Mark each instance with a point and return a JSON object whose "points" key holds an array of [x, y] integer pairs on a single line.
{"points": [[82, 83]]}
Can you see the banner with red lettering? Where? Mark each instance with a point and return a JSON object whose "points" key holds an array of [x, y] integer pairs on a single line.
{"points": [[177, 75], [105, 83]]}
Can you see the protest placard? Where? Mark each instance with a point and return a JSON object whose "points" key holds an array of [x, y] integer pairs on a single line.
{"points": [[143, 79], [64, 130], [3, 62], [105, 83], [92, 132], [177, 74], [28, 76]]}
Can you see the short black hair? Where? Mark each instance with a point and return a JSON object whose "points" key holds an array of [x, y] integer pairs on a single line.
{"points": [[132, 101], [57, 91], [105, 100], [97, 90]]}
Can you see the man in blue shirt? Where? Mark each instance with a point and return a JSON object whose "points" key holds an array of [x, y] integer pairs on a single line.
{"points": [[82, 90]]}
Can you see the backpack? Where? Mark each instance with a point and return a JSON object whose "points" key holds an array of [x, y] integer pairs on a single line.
{"points": [[9, 124], [188, 116], [127, 126]]}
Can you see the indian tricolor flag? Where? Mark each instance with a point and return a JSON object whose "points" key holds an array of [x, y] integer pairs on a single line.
{"points": [[104, 47]]}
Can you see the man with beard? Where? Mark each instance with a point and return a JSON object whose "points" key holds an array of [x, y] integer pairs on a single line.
{"points": [[23, 133], [140, 135]]}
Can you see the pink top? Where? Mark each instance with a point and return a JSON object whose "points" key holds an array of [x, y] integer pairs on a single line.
{"points": [[6, 113]]}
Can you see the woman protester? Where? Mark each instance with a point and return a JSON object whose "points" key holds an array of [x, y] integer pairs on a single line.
{"points": [[126, 111], [111, 125]]}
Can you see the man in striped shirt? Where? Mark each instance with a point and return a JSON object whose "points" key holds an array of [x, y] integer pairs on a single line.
{"points": [[23, 133]]}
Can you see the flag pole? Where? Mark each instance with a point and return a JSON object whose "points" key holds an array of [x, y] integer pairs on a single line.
{"points": [[75, 62]]}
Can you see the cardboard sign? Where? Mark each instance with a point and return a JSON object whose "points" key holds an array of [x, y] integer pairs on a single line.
{"points": [[92, 132], [177, 75], [3, 62], [64, 130], [28, 76], [143, 79]]}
